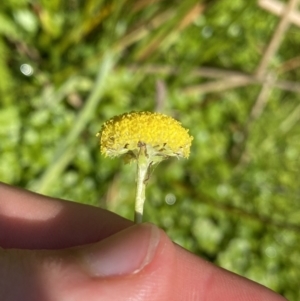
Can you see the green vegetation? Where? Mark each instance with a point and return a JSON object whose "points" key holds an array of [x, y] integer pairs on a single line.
{"points": [[228, 70]]}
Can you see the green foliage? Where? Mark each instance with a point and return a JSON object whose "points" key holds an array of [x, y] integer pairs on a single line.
{"points": [[66, 67]]}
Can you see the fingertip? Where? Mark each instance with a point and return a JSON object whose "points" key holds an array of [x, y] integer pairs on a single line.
{"points": [[136, 263], [124, 253]]}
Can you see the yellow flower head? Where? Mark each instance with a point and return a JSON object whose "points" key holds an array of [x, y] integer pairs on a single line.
{"points": [[161, 135]]}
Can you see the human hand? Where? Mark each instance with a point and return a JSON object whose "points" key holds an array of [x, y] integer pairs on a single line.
{"points": [[58, 250]]}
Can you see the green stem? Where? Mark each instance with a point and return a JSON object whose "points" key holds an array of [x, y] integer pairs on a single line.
{"points": [[140, 192]]}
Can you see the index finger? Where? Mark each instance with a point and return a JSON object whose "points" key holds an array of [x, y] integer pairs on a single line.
{"points": [[32, 221]]}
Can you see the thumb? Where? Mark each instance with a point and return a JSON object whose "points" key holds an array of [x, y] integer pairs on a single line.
{"points": [[138, 263], [126, 266]]}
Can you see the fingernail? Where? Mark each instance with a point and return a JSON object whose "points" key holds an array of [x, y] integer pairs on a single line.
{"points": [[126, 252]]}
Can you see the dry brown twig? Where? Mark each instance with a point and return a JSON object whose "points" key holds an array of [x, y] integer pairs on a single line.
{"points": [[262, 72], [276, 38], [277, 8], [262, 68], [161, 93], [228, 79]]}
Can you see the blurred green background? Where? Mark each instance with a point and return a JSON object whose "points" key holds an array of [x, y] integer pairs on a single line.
{"points": [[228, 70]]}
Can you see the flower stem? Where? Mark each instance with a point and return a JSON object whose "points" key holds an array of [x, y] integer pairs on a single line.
{"points": [[142, 171]]}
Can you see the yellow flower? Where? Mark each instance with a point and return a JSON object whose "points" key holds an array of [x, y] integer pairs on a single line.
{"points": [[147, 138], [162, 136]]}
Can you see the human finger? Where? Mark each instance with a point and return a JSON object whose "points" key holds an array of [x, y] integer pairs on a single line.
{"points": [[139, 263], [33, 221]]}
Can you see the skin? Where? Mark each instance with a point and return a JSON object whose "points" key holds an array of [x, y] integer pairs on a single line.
{"points": [[53, 249]]}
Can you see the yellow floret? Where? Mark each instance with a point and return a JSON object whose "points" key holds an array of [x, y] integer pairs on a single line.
{"points": [[162, 135]]}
